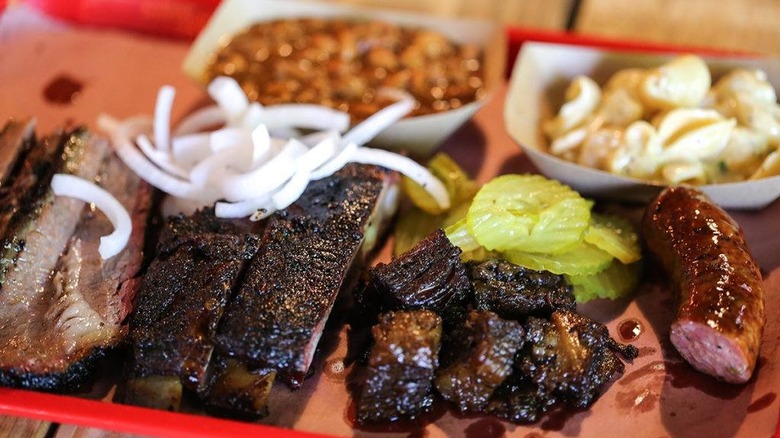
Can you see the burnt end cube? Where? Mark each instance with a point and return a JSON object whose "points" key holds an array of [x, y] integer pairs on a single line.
{"points": [[519, 400], [486, 360], [586, 358], [516, 292], [428, 276], [530, 390], [567, 358], [401, 367]]}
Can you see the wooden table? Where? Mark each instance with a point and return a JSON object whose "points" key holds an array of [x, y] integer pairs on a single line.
{"points": [[740, 25]]}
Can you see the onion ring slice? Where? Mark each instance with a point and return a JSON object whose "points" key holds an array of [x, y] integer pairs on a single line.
{"points": [[79, 188]]}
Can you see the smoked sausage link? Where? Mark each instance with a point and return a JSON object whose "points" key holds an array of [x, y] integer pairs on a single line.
{"points": [[720, 315]]}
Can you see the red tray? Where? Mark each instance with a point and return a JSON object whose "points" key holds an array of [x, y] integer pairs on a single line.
{"points": [[131, 419], [111, 416]]}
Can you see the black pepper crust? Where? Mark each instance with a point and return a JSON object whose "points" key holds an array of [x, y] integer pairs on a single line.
{"points": [[183, 295], [291, 285]]}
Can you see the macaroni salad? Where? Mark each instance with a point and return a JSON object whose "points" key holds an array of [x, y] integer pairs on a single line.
{"points": [[670, 124]]}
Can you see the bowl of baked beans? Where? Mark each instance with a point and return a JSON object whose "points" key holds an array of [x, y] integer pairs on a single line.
{"points": [[345, 57]]}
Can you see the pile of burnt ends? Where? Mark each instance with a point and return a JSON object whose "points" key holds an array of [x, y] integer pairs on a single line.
{"points": [[491, 338]]}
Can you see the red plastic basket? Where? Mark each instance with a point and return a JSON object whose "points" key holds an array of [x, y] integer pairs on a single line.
{"points": [[184, 19]]}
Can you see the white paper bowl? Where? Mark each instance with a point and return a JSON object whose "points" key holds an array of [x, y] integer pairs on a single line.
{"points": [[419, 135], [540, 75]]}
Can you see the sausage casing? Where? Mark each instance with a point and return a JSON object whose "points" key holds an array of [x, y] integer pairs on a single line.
{"points": [[720, 314]]}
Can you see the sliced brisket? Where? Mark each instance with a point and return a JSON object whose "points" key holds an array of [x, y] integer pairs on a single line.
{"points": [[62, 304], [181, 299], [278, 314]]}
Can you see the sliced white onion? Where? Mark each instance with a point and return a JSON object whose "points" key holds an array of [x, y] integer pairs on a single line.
{"points": [[138, 163], [210, 168], [285, 132], [200, 120], [306, 116], [261, 145], [293, 148], [146, 146], [162, 117], [335, 163], [319, 154], [406, 166], [237, 144], [187, 150], [251, 157], [230, 210], [160, 158], [292, 190], [78, 188], [253, 116], [228, 137], [315, 137], [263, 179], [379, 121], [229, 96]]}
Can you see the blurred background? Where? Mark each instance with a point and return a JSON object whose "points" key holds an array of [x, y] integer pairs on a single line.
{"points": [[730, 25]]}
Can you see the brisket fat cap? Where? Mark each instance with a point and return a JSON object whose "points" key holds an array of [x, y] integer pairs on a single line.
{"points": [[62, 304], [279, 312]]}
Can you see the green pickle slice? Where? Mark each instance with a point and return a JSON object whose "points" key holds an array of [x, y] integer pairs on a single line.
{"points": [[413, 225], [426, 215], [531, 221], [585, 259], [528, 213], [460, 186], [617, 281], [614, 235], [459, 235]]}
